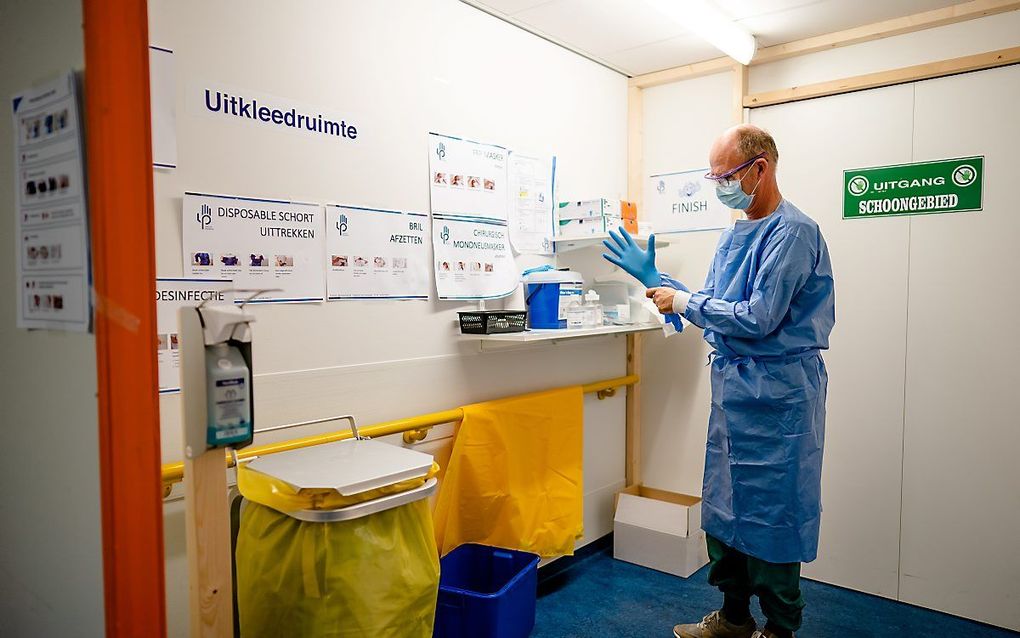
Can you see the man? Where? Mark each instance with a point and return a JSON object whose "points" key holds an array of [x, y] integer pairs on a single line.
{"points": [[767, 310]]}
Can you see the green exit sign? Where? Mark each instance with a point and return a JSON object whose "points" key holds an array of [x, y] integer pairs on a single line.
{"points": [[920, 188]]}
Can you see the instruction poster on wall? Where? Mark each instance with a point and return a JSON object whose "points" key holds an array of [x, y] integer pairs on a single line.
{"points": [[684, 202], [163, 98], [473, 258], [260, 244], [531, 222], [467, 178], [50, 207], [172, 295], [376, 254]]}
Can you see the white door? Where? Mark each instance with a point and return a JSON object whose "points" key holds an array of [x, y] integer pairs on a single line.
{"points": [[859, 545], [921, 484], [961, 471]]}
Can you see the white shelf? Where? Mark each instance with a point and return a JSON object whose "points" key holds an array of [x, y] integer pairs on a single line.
{"points": [[576, 243], [535, 336]]}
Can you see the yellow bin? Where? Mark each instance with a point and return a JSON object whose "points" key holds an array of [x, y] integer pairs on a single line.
{"points": [[337, 541]]}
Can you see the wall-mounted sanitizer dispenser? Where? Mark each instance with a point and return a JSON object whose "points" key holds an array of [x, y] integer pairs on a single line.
{"points": [[216, 377]]}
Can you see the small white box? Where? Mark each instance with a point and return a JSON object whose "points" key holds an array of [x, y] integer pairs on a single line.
{"points": [[602, 207], [577, 227], [659, 529]]}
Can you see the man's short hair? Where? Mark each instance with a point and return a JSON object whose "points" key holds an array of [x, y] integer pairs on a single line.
{"points": [[752, 141]]}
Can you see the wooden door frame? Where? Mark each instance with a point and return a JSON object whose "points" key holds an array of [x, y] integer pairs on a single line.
{"points": [[119, 155]]}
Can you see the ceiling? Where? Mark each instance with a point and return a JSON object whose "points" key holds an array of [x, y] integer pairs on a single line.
{"points": [[634, 38]]}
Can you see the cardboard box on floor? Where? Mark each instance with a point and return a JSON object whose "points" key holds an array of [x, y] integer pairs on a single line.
{"points": [[659, 529]]}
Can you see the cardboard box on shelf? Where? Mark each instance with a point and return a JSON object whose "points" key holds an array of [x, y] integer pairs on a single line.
{"points": [[581, 218], [660, 530], [628, 210]]}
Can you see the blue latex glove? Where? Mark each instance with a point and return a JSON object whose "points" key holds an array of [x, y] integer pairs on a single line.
{"points": [[625, 253], [673, 318], [669, 282]]}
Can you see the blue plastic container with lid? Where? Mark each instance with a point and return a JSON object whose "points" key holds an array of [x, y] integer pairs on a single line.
{"points": [[549, 294], [486, 592]]}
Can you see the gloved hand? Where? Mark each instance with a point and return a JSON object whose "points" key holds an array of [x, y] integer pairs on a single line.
{"points": [[625, 253]]}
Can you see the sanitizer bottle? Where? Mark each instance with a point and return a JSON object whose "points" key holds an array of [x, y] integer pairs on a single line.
{"points": [[228, 394], [577, 315], [593, 310]]}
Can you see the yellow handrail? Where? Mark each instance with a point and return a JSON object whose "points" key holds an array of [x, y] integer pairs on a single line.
{"points": [[174, 472]]}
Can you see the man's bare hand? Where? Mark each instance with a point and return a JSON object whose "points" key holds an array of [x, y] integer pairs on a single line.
{"points": [[663, 298]]}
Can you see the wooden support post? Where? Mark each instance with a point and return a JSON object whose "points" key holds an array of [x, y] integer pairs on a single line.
{"points": [[635, 146], [633, 467], [635, 192], [207, 512], [206, 508], [739, 91]]}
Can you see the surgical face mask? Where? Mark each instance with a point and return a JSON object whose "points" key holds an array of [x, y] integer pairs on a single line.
{"points": [[731, 194]]}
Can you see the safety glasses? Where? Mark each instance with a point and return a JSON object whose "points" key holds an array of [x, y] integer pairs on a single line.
{"points": [[725, 177]]}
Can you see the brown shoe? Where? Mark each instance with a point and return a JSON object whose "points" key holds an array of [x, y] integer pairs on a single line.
{"points": [[715, 625]]}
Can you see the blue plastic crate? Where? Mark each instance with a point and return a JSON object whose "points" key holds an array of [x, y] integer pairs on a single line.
{"points": [[486, 592]]}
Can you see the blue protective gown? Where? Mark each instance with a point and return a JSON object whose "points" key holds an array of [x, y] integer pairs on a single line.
{"points": [[767, 309]]}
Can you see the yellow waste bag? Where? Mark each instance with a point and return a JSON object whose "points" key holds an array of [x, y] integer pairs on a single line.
{"points": [[514, 479], [373, 576]]}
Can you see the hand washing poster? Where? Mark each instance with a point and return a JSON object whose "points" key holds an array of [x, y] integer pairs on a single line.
{"points": [[171, 295], [683, 202], [470, 236], [473, 258], [376, 254], [531, 220], [260, 244]]}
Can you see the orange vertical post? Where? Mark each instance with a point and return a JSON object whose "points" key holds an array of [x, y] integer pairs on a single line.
{"points": [[121, 209]]}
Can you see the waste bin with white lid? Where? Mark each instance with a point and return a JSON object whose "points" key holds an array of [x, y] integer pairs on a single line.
{"points": [[337, 540]]}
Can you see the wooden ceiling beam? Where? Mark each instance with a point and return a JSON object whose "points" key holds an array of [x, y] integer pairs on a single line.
{"points": [[867, 33], [966, 64], [886, 29]]}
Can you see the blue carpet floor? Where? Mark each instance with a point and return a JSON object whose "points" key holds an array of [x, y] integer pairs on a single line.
{"points": [[599, 597]]}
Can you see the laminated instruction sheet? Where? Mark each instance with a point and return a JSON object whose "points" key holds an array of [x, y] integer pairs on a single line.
{"points": [[469, 179], [50, 209], [684, 201], [263, 244], [532, 179], [163, 101], [376, 254], [473, 258], [173, 294], [470, 235]]}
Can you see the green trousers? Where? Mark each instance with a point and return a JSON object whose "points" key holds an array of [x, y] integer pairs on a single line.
{"points": [[739, 576]]}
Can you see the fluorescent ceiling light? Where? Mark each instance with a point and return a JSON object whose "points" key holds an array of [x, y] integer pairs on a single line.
{"points": [[706, 20]]}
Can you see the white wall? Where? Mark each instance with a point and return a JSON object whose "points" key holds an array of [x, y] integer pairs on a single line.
{"points": [[919, 483], [404, 67], [51, 580]]}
